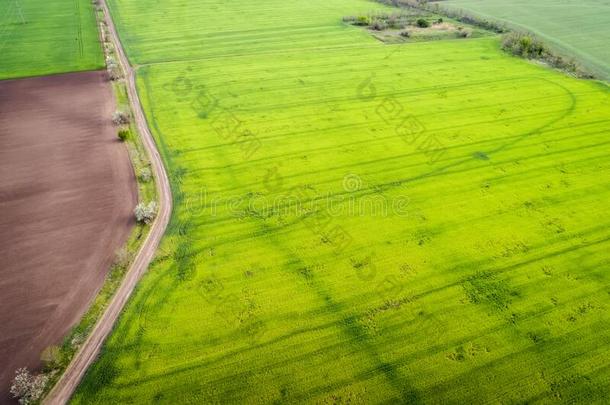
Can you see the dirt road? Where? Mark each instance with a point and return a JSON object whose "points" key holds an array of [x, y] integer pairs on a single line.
{"points": [[64, 388]]}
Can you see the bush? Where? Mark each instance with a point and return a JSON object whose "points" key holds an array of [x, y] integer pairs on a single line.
{"points": [[464, 32], [114, 73], [123, 134], [145, 175], [51, 357], [120, 118], [121, 258], [145, 214], [362, 21], [422, 23], [523, 45], [113, 69], [396, 21], [379, 25], [27, 387]]}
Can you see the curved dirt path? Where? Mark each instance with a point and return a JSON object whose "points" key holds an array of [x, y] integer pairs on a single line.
{"points": [[86, 355]]}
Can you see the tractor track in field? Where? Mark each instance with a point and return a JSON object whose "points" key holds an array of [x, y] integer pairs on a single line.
{"points": [[86, 355]]}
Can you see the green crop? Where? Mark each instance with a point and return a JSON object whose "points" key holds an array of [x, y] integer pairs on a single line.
{"points": [[360, 223], [40, 37]]}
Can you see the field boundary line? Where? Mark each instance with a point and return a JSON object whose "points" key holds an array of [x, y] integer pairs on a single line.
{"points": [[87, 354]]}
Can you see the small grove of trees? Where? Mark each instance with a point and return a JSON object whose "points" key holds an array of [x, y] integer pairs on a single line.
{"points": [[457, 14], [382, 21], [145, 213], [112, 67], [523, 45], [527, 46], [26, 387]]}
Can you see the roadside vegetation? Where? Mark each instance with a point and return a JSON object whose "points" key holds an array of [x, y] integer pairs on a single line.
{"points": [[28, 388], [146, 213], [56, 358]]}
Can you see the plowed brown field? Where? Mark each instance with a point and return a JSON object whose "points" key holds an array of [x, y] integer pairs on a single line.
{"points": [[67, 191]]}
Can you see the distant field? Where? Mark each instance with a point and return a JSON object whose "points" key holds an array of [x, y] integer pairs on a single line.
{"points": [[39, 37], [361, 223], [178, 31], [580, 28]]}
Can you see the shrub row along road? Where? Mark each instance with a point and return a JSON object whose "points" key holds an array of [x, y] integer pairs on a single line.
{"points": [[64, 388]]}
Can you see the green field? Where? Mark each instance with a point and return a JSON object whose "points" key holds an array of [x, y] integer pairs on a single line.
{"points": [[579, 28], [39, 37], [362, 223]]}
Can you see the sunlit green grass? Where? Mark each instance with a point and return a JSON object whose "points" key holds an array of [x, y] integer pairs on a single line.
{"points": [[577, 27], [486, 281], [39, 37]]}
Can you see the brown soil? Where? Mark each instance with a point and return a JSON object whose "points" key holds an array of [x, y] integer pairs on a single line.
{"points": [[67, 191]]}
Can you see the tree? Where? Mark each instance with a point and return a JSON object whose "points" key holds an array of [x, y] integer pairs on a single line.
{"points": [[145, 175], [120, 118], [145, 213], [27, 387]]}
